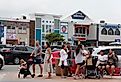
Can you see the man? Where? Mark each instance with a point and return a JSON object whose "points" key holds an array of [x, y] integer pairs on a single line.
{"points": [[37, 58]]}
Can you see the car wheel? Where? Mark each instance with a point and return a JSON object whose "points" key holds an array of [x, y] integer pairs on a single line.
{"points": [[1, 63], [16, 60]]}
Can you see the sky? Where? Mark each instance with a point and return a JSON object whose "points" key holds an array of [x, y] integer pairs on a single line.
{"points": [[108, 10]]}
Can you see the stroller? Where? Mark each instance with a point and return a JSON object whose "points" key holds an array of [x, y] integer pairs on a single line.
{"points": [[90, 68], [25, 71]]}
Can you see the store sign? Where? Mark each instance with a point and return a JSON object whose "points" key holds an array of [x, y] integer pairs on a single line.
{"points": [[111, 26], [78, 15], [11, 36], [117, 40]]}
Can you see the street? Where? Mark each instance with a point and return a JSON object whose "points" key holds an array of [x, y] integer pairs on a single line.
{"points": [[9, 74]]}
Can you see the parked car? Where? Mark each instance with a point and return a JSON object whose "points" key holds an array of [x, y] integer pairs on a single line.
{"points": [[1, 61], [105, 49], [14, 54]]}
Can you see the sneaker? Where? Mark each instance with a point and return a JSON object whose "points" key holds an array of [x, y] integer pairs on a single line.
{"points": [[40, 76], [63, 77]]}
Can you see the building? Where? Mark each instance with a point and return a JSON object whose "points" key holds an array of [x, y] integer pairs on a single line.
{"points": [[78, 27], [105, 33], [16, 31], [45, 24], [32, 33]]}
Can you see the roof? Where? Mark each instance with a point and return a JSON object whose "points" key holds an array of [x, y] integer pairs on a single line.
{"points": [[65, 16], [14, 19]]}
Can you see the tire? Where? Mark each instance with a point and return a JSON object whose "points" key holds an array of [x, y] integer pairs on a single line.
{"points": [[1, 63], [16, 60]]}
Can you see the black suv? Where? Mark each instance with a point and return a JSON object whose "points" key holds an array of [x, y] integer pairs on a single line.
{"points": [[14, 54]]}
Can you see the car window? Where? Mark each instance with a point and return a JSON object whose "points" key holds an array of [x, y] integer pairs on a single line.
{"points": [[106, 51], [29, 49], [117, 51], [21, 49]]}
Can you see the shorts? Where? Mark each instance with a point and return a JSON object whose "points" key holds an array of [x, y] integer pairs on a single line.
{"points": [[82, 63], [102, 65]]}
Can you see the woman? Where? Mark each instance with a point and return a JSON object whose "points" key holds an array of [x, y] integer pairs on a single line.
{"points": [[112, 61], [63, 59], [37, 58], [79, 59], [47, 61]]}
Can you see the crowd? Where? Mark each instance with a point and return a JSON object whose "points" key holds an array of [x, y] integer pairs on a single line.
{"points": [[83, 58]]}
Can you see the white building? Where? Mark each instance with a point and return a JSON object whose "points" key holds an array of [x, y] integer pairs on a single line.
{"points": [[45, 24]]}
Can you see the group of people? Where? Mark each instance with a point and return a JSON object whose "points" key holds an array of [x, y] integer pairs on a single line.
{"points": [[36, 59], [107, 63], [81, 57]]}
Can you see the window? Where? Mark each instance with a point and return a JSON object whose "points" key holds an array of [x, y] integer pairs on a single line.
{"points": [[47, 28], [11, 29], [46, 21], [43, 21], [22, 29], [80, 30], [117, 32], [104, 31], [76, 30], [43, 28], [43, 36], [83, 30], [117, 51], [110, 31], [50, 21]]}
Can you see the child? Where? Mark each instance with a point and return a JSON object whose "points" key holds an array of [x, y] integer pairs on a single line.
{"points": [[24, 69]]}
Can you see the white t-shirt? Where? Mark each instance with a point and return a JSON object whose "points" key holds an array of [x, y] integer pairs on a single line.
{"points": [[102, 58], [63, 57]]}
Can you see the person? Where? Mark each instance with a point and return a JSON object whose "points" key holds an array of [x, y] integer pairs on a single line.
{"points": [[24, 69], [79, 59], [112, 62], [37, 58], [101, 63], [64, 29], [63, 60], [69, 52], [47, 60]]}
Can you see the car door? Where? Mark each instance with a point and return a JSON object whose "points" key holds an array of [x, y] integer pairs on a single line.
{"points": [[118, 52]]}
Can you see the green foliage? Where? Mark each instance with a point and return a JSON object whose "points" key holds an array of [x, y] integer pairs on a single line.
{"points": [[54, 37]]}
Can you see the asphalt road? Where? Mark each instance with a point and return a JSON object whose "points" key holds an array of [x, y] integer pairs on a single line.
{"points": [[9, 74]]}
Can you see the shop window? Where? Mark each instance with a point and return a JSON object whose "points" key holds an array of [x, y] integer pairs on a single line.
{"points": [[104, 31], [117, 32], [110, 31]]}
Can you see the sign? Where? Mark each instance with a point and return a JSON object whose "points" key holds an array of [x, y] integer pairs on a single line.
{"points": [[78, 15], [64, 29], [117, 40], [11, 36]]}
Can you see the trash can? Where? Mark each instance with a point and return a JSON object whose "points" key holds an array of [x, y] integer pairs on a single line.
{"points": [[58, 69]]}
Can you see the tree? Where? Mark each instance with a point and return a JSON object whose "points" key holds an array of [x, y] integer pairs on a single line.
{"points": [[54, 37]]}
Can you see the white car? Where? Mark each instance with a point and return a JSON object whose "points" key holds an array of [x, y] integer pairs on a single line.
{"points": [[105, 49], [1, 61]]}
